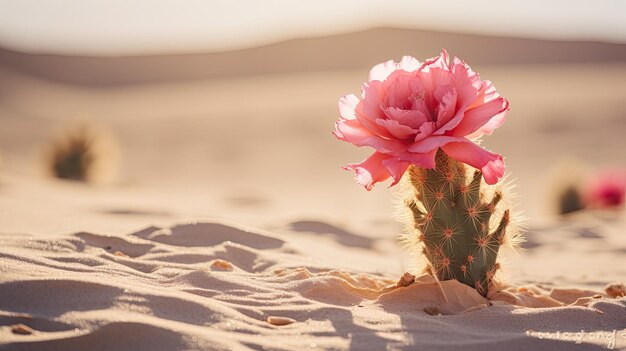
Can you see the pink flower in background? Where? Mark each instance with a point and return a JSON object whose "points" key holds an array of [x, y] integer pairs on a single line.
{"points": [[409, 110], [607, 189]]}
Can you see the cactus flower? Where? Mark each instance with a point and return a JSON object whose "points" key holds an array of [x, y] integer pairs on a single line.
{"points": [[409, 110], [423, 119], [606, 189]]}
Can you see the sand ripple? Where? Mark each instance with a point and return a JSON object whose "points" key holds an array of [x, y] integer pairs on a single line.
{"points": [[213, 286]]}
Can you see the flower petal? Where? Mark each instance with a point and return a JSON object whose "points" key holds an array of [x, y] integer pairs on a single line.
{"points": [[425, 160], [466, 151], [440, 61], [396, 169], [446, 96], [466, 82], [426, 130], [400, 88], [486, 93], [489, 127], [431, 79], [348, 105], [369, 110], [371, 170], [432, 143], [396, 129], [467, 85], [396, 166], [352, 131], [477, 117], [382, 70], [410, 118], [409, 63]]}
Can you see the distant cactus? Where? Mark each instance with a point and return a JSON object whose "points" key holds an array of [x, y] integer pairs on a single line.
{"points": [[73, 158], [82, 153], [455, 225], [570, 200]]}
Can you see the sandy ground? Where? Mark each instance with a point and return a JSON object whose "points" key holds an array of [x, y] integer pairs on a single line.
{"points": [[165, 255], [214, 286]]}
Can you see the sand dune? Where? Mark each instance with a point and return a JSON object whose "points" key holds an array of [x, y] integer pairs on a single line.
{"points": [[346, 51], [214, 285]]}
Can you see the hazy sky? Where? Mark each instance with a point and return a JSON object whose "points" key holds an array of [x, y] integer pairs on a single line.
{"points": [[122, 27]]}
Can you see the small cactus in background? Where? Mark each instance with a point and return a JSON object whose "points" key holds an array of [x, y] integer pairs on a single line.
{"points": [[82, 153], [458, 228], [581, 187], [563, 186], [569, 200], [73, 157]]}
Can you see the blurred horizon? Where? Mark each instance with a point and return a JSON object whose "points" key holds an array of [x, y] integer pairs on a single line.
{"points": [[116, 28], [332, 53]]}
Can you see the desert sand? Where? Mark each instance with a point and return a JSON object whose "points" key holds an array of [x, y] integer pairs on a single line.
{"points": [[229, 211], [217, 286]]}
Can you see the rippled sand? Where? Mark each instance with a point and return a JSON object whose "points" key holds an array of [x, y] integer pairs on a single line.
{"points": [[214, 286]]}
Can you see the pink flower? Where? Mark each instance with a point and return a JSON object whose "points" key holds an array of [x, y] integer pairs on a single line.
{"points": [[410, 109], [606, 189]]}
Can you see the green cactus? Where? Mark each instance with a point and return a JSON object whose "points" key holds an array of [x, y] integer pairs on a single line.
{"points": [[451, 222], [82, 152], [73, 156]]}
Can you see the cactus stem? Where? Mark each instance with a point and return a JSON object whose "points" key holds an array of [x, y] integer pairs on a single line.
{"points": [[427, 219], [449, 239], [452, 217], [496, 198], [447, 233], [464, 270], [500, 232], [473, 213], [479, 287]]}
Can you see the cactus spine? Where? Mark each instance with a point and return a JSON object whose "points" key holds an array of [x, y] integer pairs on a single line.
{"points": [[451, 222]]}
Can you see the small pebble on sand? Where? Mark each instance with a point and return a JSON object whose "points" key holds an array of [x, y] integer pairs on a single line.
{"points": [[406, 280], [615, 290], [277, 320], [222, 265], [21, 329], [432, 310]]}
